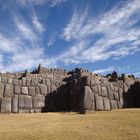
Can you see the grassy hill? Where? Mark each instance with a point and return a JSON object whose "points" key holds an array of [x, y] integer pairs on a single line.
{"points": [[113, 125]]}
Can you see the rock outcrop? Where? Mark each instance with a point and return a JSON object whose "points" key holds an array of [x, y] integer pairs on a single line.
{"points": [[46, 90]]}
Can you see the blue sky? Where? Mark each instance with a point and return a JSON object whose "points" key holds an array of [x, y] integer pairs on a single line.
{"points": [[99, 35]]}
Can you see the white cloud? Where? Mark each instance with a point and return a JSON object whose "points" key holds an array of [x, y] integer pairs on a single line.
{"points": [[118, 36], [25, 30], [37, 24], [106, 70], [75, 25], [51, 3]]}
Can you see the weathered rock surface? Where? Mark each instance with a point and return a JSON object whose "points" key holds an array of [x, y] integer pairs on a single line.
{"points": [[57, 90]]}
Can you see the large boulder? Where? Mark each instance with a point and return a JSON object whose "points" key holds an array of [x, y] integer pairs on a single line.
{"points": [[25, 102], [24, 90], [87, 99], [99, 102], [38, 101], [9, 91], [32, 91], [43, 89], [17, 89], [113, 104], [15, 104], [1, 90], [6, 105], [104, 92], [106, 103]]}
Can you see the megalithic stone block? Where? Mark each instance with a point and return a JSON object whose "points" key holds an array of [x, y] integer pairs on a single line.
{"points": [[6, 105], [17, 89], [43, 89], [1, 90], [15, 104], [110, 93], [25, 102], [38, 101], [99, 102], [104, 92], [34, 82], [106, 103], [32, 91], [113, 104], [9, 91], [87, 99], [86, 81], [24, 90]]}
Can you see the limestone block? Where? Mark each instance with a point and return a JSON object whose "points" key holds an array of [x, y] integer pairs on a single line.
{"points": [[25, 102], [125, 87], [48, 82], [120, 92], [32, 91], [116, 96], [15, 82], [1, 90], [20, 82], [17, 89], [49, 89], [110, 93], [34, 82], [106, 103], [92, 82], [116, 89], [6, 105], [100, 90], [112, 86], [88, 99], [37, 90], [9, 90], [4, 80], [24, 81], [99, 102], [43, 89], [120, 103], [39, 101], [53, 88], [104, 92], [24, 90], [113, 104], [10, 80], [95, 89], [53, 82], [28, 82], [97, 82], [15, 104], [86, 81], [120, 82]]}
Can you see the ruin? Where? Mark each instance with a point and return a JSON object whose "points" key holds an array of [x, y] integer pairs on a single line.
{"points": [[44, 90]]}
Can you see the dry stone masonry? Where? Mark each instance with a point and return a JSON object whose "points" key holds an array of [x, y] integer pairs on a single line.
{"points": [[46, 90]]}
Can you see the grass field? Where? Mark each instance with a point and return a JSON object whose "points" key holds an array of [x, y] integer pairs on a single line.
{"points": [[113, 125]]}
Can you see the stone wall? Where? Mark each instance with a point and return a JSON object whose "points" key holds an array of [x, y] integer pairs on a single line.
{"points": [[58, 90], [101, 93], [20, 94]]}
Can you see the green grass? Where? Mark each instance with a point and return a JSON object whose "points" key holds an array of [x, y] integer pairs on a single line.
{"points": [[113, 125]]}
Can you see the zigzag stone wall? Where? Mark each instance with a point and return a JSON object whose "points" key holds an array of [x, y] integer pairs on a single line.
{"points": [[56, 90], [99, 93], [27, 94]]}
